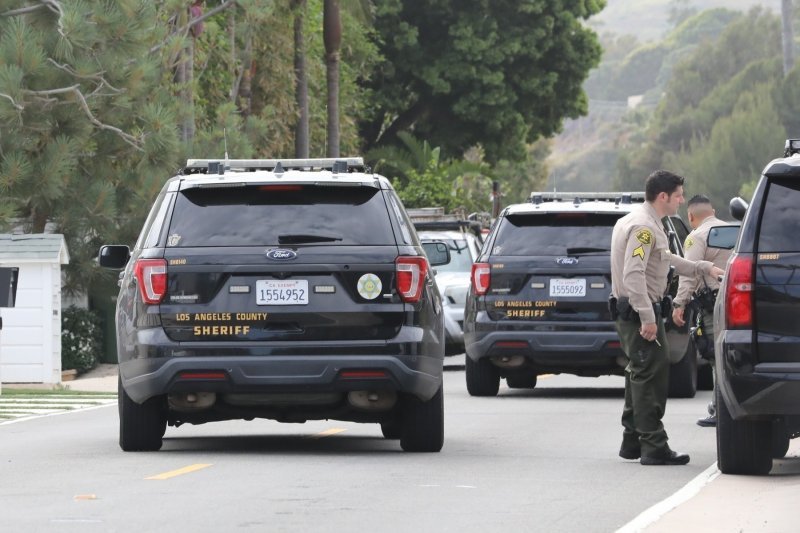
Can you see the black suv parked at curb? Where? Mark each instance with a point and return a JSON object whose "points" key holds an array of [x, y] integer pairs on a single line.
{"points": [[757, 324], [292, 290], [538, 303]]}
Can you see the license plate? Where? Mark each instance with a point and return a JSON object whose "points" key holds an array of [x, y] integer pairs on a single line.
{"points": [[282, 292], [565, 288]]}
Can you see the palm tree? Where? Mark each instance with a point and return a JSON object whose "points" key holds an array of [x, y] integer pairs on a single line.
{"points": [[301, 81], [332, 35]]}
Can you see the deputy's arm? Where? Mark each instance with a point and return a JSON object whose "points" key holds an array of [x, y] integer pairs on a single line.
{"points": [[637, 252], [694, 250], [694, 269]]}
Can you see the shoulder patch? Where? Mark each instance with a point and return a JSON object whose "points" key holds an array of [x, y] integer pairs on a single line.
{"points": [[644, 236], [689, 242]]}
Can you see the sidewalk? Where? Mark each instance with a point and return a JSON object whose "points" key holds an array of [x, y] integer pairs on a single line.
{"points": [[101, 379]]}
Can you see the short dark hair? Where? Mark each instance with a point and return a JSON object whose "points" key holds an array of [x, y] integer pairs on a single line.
{"points": [[661, 181], [698, 199]]}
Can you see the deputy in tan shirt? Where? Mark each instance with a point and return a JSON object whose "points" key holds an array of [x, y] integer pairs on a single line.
{"points": [[702, 218], [640, 261]]}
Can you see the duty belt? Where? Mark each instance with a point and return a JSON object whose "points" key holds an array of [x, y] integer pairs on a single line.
{"points": [[621, 308]]}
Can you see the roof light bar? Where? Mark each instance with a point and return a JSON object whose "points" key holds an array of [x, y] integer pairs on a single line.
{"points": [[578, 197], [339, 165]]}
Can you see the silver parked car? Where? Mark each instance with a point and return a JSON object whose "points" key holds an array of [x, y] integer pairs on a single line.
{"points": [[453, 280]]}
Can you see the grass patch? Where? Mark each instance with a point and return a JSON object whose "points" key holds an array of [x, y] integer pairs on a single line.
{"points": [[29, 393]]}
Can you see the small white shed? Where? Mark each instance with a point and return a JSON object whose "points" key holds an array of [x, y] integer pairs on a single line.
{"points": [[30, 341]]}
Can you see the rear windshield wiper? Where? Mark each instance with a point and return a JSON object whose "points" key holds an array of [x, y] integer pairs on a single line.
{"points": [[299, 238], [585, 250]]}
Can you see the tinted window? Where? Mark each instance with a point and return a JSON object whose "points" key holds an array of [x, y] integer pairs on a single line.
{"points": [[555, 234], [460, 257], [283, 215], [779, 221]]}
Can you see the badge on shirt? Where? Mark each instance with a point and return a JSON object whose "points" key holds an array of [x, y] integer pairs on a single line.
{"points": [[689, 242], [644, 236]]}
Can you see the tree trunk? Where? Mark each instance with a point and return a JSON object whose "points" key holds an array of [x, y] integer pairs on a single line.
{"points": [[184, 77], [245, 100], [301, 140], [332, 35], [788, 36]]}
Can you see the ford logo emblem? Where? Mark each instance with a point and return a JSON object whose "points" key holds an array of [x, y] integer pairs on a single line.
{"points": [[280, 254], [567, 261]]}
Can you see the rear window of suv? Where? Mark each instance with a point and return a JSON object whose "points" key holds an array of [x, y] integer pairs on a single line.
{"points": [[779, 222], [555, 233], [280, 215]]}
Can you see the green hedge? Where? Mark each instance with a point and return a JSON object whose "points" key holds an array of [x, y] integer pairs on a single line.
{"points": [[81, 339]]}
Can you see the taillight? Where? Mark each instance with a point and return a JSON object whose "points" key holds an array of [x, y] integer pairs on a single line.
{"points": [[739, 293], [481, 277], [410, 274], [151, 276]]}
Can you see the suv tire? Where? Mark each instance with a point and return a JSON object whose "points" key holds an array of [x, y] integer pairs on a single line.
{"points": [[683, 375], [422, 428], [705, 377], [780, 440], [141, 426], [521, 381], [483, 378], [391, 429], [743, 446]]}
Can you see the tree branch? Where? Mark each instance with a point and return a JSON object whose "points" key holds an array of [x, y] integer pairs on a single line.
{"points": [[13, 102], [185, 28], [74, 89]]}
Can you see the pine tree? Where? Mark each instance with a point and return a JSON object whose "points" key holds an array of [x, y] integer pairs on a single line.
{"points": [[88, 128]]}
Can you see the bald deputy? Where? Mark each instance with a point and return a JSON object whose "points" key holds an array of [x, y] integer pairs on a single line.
{"points": [[640, 261], [702, 218]]}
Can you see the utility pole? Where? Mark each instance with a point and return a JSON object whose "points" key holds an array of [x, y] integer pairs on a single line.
{"points": [[788, 36]]}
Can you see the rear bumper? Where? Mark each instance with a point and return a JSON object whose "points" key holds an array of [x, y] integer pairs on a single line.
{"points": [[754, 391], [590, 351], [407, 366]]}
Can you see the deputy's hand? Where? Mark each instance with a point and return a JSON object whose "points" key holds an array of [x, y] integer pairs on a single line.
{"points": [[649, 331], [716, 272], [677, 317]]}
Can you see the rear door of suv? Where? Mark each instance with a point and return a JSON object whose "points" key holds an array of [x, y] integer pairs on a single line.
{"points": [[551, 267], [777, 275], [280, 262]]}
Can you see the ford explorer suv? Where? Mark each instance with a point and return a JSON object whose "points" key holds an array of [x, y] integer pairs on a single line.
{"points": [[291, 290], [757, 324], [538, 303]]}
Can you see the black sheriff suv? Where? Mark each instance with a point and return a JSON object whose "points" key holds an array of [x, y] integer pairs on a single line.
{"points": [[538, 303], [292, 290], [757, 323]]}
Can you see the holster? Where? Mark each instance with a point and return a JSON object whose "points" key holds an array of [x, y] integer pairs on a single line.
{"points": [[626, 312], [706, 298]]}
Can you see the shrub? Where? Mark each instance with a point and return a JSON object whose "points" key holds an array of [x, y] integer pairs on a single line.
{"points": [[81, 339]]}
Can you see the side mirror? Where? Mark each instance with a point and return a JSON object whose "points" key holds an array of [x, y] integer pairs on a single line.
{"points": [[738, 208], [723, 237], [114, 256], [438, 252]]}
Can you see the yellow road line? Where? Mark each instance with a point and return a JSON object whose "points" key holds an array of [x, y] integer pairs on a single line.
{"points": [[180, 471], [327, 433]]}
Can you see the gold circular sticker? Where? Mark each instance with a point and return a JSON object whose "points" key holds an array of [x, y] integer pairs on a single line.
{"points": [[369, 286]]}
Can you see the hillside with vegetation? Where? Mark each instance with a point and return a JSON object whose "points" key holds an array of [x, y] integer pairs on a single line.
{"points": [[709, 100]]}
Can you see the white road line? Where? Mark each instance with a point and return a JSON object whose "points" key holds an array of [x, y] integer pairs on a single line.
{"points": [[654, 513], [23, 419]]}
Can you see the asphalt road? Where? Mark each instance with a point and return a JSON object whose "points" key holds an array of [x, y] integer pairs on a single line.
{"points": [[539, 460]]}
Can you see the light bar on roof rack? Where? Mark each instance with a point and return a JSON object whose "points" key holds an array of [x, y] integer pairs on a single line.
{"points": [[216, 166], [577, 197]]}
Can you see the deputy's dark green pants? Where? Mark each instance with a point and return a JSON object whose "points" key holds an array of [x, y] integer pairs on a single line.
{"points": [[646, 385]]}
